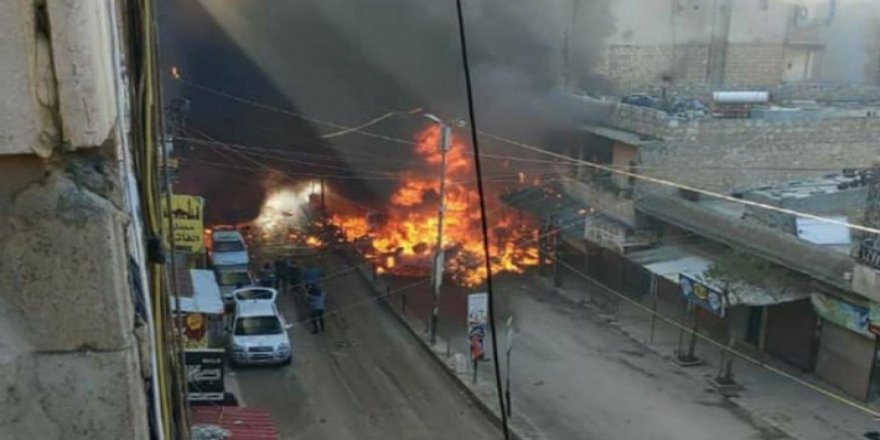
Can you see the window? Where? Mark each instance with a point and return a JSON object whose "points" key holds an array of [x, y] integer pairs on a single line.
{"points": [[258, 325], [234, 278], [228, 246]]}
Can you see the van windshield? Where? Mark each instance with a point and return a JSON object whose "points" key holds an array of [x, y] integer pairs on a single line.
{"points": [[228, 246], [234, 278], [258, 325]]}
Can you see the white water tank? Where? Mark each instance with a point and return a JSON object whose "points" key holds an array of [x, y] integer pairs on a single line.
{"points": [[741, 97]]}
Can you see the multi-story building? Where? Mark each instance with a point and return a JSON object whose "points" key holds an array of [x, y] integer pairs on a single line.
{"points": [[682, 44]]}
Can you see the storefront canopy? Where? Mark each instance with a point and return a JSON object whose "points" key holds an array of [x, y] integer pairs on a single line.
{"points": [[205, 297], [669, 261]]}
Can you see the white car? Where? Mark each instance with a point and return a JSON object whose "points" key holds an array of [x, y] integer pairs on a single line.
{"points": [[228, 249], [254, 294], [258, 334]]}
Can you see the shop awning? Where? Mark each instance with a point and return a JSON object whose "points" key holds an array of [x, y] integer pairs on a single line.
{"points": [[205, 296], [679, 260], [241, 423]]}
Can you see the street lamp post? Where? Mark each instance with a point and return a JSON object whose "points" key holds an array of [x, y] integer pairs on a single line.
{"points": [[445, 142]]}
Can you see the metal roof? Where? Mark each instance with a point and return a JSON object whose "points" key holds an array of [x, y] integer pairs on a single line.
{"points": [[617, 135], [242, 423]]}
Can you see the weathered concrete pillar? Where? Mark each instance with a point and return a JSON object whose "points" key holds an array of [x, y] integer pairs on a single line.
{"points": [[69, 361]]}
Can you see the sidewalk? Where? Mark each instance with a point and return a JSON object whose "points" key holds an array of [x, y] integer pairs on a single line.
{"points": [[798, 411], [572, 375]]}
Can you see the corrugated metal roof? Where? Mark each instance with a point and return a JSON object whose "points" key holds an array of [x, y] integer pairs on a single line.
{"points": [[243, 423]]}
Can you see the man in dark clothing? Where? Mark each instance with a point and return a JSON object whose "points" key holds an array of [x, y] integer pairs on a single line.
{"points": [[267, 278], [293, 275], [281, 275], [316, 300]]}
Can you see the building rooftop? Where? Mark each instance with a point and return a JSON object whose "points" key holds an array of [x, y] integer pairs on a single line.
{"points": [[801, 189]]}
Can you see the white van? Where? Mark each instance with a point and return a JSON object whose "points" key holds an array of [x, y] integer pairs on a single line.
{"points": [[228, 249], [258, 334]]}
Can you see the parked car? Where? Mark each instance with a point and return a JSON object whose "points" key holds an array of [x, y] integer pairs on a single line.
{"points": [[258, 334], [228, 249], [230, 278]]}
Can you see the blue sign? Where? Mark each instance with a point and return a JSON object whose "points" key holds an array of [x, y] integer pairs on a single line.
{"points": [[702, 294]]}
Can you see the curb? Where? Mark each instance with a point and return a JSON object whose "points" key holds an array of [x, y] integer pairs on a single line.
{"points": [[472, 395]]}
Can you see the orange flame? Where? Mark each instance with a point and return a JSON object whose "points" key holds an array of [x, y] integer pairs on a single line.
{"points": [[403, 241]]}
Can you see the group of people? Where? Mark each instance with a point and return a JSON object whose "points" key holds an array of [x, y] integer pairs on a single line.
{"points": [[284, 275]]}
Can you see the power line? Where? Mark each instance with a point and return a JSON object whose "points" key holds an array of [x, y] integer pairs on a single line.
{"points": [[738, 353], [564, 158], [683, 186], [359, 129], [465, 59], [257, 104]]}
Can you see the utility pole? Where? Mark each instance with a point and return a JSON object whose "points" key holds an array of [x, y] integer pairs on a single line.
{"points": [[557, 254], [323, 198], [439, 260]]}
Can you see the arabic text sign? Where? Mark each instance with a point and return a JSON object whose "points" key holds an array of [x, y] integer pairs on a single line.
{"points": [[186, 214], [701, 294], [204, 374], [478, 317]]}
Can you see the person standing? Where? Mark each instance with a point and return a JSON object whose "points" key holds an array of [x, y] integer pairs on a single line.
{"points": [[281, 275], [317, 301]]}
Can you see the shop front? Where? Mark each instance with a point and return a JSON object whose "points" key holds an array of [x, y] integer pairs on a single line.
{"points": [[847, 351]]}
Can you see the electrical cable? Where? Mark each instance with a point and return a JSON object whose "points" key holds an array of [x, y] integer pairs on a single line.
{"points": [[483, 220], [289, 112], [684, 187], [502, 157]]}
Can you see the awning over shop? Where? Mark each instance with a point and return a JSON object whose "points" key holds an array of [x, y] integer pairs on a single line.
{"points": [[614, 134], [239, 423], [205, 297], [688, 265], [669, 261]]}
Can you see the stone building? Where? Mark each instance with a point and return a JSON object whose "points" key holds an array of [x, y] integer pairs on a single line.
{"points": [[737, 44], [639, 229], [74, 351]]}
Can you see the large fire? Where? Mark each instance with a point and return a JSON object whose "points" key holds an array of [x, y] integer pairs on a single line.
{"points": [[402, 240]]}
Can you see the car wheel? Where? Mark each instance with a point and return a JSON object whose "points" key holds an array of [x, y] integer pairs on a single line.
{"points": [[287, 361]]}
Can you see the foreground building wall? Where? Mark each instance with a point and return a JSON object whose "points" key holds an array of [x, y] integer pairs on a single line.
{"points": [[69, 359]]}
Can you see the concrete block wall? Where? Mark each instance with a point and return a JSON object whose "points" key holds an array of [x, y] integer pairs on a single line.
{"points": [[727, 155], [637, 68], [754, 64], [69, 359], [724, 154]]}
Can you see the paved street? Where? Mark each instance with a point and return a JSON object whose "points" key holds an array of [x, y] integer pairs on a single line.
{"points": [[365, 378], [576, 377]]}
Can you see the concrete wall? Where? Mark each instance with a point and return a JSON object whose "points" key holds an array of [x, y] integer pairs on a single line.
{"points": [[696, 41], [69, 359]]}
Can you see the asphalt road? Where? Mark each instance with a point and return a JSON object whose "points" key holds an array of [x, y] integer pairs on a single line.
{"points": [[364, 378]]}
